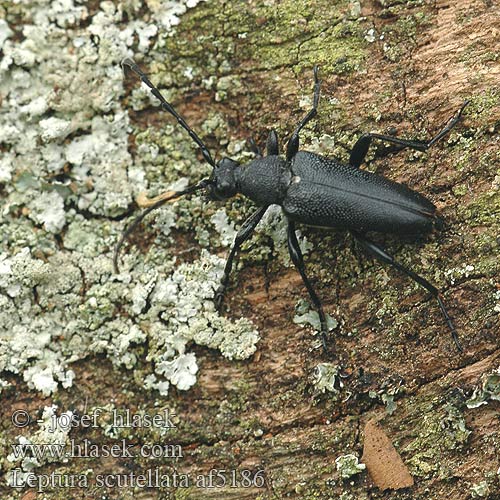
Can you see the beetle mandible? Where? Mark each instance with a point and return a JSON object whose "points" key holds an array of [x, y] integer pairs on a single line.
{"points": [[315, 191]]}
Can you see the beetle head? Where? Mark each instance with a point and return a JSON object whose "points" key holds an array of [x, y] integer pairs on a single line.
{"points": [[223, 181]]}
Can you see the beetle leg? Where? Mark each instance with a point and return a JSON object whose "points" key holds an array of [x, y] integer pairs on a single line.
{"points": [[293, 144], [272, 146], [243, 234], [379, 253], [254, 148], [298, 260], [358, 152]]}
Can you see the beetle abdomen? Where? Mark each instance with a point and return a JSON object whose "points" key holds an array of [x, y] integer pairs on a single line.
{"points": [[326, 193]]}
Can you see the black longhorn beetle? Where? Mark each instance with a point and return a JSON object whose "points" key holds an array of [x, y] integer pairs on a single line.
{"points": [[315, 191]]}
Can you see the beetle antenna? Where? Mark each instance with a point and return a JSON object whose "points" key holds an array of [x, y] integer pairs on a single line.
{"points": [[130, 63], [164, 199]]}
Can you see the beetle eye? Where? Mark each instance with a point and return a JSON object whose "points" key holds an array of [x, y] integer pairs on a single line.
{"points": [[224, 187]]}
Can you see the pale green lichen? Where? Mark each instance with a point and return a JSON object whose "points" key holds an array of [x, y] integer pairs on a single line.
{"points": [[480, 490], [48, 209], [326, 378], [349, 465], [224, 227], [305, 316], [47, 445], [4, 386], [27, 340], [386, 396], [71, 173], [489, 390], [184, 304]]}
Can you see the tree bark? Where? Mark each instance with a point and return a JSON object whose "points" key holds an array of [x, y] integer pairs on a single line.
{"points": [[239, 69]]}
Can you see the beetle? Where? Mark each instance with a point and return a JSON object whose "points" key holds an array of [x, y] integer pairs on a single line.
{"points": [[314, 191]]}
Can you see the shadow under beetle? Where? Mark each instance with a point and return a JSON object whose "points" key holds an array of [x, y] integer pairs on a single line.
{"points": [[315, 191]]}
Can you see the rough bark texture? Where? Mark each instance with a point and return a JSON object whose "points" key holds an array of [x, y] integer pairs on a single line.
{"points": [[385, 65]]}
